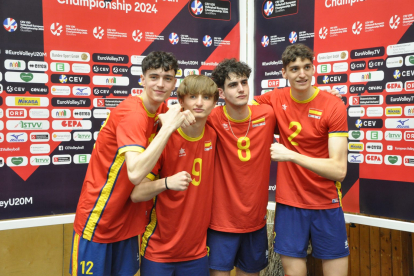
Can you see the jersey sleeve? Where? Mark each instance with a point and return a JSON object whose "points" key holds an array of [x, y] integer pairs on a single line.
{"points": [[156, 170], [264, 99], [337, 124], [131, 133]]}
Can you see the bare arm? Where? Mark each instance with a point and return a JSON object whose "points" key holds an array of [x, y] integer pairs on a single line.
{"points": [[148, 189], [139, 165], [333, 168]]}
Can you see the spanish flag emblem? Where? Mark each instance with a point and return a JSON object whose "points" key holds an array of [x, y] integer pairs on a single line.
{"points": [[315, 113], [207, 146], [259, 122]]}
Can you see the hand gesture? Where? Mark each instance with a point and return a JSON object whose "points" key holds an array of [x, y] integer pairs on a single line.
{"points": [[179, 181], [279, 152], [174, 118]]}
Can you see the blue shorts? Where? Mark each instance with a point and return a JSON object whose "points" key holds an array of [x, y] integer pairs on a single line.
{"points": [[247, 251], [197, 267], [325, 228], [104, 259]]}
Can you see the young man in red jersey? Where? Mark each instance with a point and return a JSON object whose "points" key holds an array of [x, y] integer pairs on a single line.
{"points": [[107, 223], [312, 163], [237, 233], [174, 242]]}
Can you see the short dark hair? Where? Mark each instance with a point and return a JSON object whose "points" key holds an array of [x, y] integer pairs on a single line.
{"points": [[198, 84], [227, 66], [295, 51], [159, 59]]}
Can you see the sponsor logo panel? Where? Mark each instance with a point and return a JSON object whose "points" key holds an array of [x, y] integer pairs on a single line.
{"points": [[25, 77], [409, 110], [355, 158], [332, 56], [101, 113], [17, 161], [366, 100], [366, 76], [82, 136], [356, 135], [110, 80], [375, 159], [399, 123], [39, 113], [16, 137], [40, 160], [71, 102], [39, 136], [81, 158], [374, 147], [393, 160], [409, 136], [39, 148], [393, 111], [71, 124], [106, 102], [37, 66], [61, 136], [61, 159], [355, 146], [375, 111], [374, 135], [369, 123], [17, 113], [82, 113], [393, 135], [70, 56], [27, 125], [27, 101]]}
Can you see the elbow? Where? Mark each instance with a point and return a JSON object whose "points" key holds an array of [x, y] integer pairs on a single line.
{"points": [[134, 199], [135, 178], [341, 174]]}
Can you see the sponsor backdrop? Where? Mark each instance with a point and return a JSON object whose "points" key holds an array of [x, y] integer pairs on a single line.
{"points": [[369, 58], [65, 64]]}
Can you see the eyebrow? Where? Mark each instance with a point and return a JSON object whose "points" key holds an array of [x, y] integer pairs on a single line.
{"points": [[293, 66], [233, 82]]}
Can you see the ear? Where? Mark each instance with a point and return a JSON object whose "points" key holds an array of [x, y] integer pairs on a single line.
{"points": [[143, 80], [284, 73], [181, 101], [221, 94]]}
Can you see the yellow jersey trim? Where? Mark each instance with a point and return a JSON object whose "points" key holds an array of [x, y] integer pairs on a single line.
{"points": [[307, 100], [136, 148], [103, 197], [338, 134], [254, 102], [234, 120], [151, 176], [315, 112], [338, 189], [149, 230], [151, 115], [188, 138], [75, 254]]}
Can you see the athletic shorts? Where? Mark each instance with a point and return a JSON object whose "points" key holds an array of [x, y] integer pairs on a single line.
{"points": [[197, 267], [104, 259], [247, 251], [325, 228]]}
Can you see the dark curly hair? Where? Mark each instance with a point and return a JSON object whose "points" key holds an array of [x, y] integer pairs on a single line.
{"points": [[159, 59], [227, 66], [294, 51]]}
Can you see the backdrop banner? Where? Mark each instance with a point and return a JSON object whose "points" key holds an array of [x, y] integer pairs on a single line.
{"points": [[365, 50], [65, 64]]}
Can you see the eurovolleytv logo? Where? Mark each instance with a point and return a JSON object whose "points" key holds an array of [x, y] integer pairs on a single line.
{"points": [[10, 24]]}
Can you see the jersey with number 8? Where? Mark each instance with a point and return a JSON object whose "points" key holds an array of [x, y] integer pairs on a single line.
{"points": [[241, 184]]}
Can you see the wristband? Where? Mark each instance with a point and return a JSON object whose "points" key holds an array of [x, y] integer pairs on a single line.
{"points": [[166, 184]]}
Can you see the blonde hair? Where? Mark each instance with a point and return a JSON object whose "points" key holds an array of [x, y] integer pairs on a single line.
{"points": [[198, 84]]}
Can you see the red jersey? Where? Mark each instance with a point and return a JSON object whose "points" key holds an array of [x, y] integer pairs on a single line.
{"points": [[105, 213], [179, 219], [242, 169], [305, 127]]}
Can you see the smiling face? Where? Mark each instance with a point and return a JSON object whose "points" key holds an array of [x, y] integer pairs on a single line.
{"points": [[235, 90], [299, 74], [158, 84]]}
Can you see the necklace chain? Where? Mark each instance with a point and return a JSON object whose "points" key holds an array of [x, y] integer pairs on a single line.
{"points": [[248, 128]]}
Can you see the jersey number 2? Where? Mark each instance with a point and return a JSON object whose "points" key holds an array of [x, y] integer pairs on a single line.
{"points": [[294, 134]]}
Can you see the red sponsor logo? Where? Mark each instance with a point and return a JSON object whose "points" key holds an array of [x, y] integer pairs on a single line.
{"points": [[101, 102], [273, 83], [409, 136], [136, 91], [18, 113], [409, 85], [71, 123], [355, 100]]}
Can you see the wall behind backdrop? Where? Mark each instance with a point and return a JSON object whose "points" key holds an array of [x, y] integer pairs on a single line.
{"points": [[364, 49], [64, 65]]}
